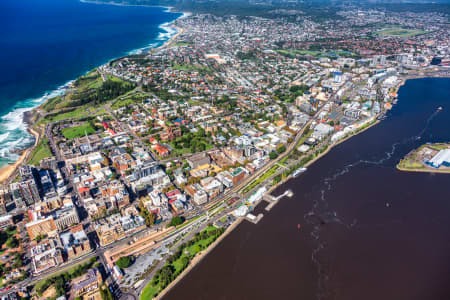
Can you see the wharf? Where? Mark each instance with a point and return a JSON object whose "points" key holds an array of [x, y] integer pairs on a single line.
{"points": [[274, 200], [254, 219]]}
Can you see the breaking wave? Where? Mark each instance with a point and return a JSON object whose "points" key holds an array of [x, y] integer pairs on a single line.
{"points": [[13, 128]]}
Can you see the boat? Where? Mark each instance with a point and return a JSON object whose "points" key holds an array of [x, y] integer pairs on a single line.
{"points": [[298, 172], [440, 108]]}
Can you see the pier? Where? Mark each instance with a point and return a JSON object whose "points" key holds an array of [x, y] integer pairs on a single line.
{"points": [[274, 200], [254, 219], [255, 199]]}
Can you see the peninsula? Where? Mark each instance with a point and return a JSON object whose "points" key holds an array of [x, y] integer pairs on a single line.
{"points": [[432, 158]]}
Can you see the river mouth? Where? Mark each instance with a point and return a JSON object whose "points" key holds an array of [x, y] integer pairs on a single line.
{"points": [[368, 230]]}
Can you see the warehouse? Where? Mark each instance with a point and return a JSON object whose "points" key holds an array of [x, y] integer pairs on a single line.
{"points": [[441, 158]]}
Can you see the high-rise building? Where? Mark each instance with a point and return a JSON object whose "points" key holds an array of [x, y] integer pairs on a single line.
{"points": [[148, 168], [24, 192], [5, 197]]}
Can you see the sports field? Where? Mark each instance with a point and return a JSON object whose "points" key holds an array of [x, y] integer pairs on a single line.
{"points": [[400, 32]]}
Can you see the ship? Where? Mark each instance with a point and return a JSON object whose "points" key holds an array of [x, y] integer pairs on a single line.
{"points": [[298, 172]]}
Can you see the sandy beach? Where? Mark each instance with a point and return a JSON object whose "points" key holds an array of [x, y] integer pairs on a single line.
{"points": [[7, 171]]}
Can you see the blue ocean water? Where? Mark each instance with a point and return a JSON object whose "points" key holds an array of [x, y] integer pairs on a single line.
{"points": [[45, 44]]}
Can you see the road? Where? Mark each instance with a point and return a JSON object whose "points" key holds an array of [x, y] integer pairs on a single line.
{"points": [[222, 198]]}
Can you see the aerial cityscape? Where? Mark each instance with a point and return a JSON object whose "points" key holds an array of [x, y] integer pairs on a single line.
{"points": [[250, 150]]}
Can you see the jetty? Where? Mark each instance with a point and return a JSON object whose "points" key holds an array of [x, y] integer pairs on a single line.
{"points": [[274, 200], [254, 219], [245, 209]]}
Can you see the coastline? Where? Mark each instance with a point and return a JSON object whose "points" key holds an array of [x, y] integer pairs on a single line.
{"points": [[431, 171], [6, 172], [423, 168], [9, 169]]}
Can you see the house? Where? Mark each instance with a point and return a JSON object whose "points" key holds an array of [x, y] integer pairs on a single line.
{"points": [[161, 150]]}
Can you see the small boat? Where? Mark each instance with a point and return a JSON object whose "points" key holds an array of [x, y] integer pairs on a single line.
{"points": [[298, 172], [440, 108]]}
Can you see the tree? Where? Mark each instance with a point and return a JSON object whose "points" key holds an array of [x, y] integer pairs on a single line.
{"points": [[166, 275], [10, 230], [177, 220], [149, 217], [273, 155], [124, 262], [281, 149], [184, 262], [105, 293], [18, 261], [40, 237], [12, 242]]}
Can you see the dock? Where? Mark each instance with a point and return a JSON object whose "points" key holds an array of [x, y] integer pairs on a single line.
{"points": [[274, 200], [254, 219], [253, 201]]}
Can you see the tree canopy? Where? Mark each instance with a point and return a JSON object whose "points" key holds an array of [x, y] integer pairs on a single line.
{"points": [[124, 262]]}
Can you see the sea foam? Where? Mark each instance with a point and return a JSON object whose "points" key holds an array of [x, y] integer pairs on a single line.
{"points": [[13, 130]]}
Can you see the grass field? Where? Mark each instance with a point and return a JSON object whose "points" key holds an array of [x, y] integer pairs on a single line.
{"points": [[177, 152], [113, 78], [41, 151], [52, 103], [400, 32], [261, 179], [191, 68], [438, 146], [91, 80], [410, 163], [77, 131], [78, 113], [293, 52], [128, 99]]}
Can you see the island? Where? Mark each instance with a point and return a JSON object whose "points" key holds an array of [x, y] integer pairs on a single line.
{"points": [[430, 157]]}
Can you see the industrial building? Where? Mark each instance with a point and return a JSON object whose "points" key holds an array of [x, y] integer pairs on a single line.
{"points": [[442, 158]]}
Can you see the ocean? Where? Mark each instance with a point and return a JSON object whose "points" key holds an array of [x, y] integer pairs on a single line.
{"points": [[368, 231], [46, 44]]}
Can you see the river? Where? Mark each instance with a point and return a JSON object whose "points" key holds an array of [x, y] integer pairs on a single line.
{"points": [[368, 231]]}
